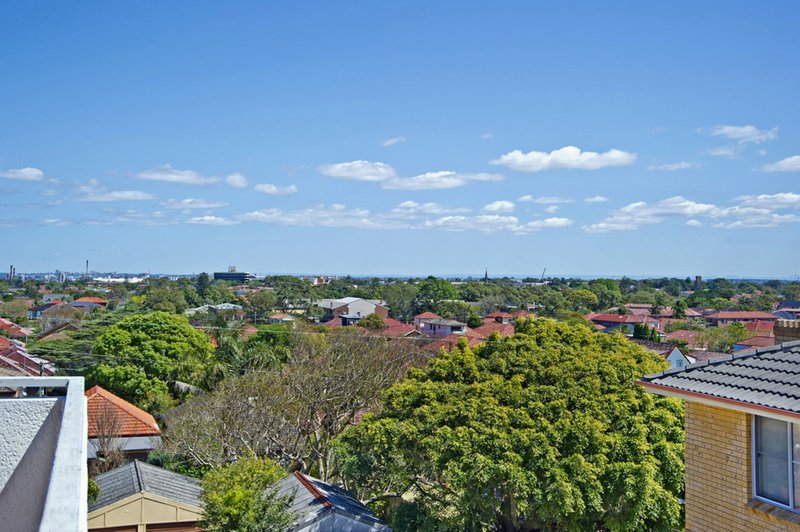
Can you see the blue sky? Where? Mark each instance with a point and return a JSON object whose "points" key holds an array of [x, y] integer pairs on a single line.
{"points": [[402, 138]]}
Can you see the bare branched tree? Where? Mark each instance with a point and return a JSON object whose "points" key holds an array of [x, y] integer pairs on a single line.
{"points": [[294, 412], [107, 444]]}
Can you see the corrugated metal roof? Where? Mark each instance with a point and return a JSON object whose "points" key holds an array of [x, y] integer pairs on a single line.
{"points": [[137, 477], [313, 499], [768, 377]]}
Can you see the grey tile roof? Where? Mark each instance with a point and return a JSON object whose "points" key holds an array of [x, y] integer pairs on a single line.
{"points": [[315, 499], [767, 376], [136, 477]]}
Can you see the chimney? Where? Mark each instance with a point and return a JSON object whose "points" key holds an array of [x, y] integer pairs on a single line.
{"points": [[787, 331]]}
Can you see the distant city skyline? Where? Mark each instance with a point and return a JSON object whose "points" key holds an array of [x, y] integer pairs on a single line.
{"points": [[402, 139]]}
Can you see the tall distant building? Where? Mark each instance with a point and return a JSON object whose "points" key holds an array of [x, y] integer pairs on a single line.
{"points": [[233, 275]]}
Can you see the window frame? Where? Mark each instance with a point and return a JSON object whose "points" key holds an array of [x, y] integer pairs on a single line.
{"points": [[794, 505]]}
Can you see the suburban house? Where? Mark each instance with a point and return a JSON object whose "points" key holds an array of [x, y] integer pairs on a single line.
{"points": [[36, 312], [351, 306], [424, 316], [693, 339], [9, 328], [442, 327], [51, 297], [15, 360], [277, 319], [43, 472], [322, 507], [58, 332], [499, 317], [615, 322], [116, 425], [139, 497], [742, 415], [726, 317], [755, 341], [95, 300]]}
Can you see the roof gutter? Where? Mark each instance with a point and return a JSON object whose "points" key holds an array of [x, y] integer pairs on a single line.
{"points": [[721, 402]]}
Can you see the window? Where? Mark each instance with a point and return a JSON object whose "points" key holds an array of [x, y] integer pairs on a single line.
{"points": [[776, 462]]}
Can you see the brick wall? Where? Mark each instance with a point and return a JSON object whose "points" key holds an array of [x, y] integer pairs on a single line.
{"points": [[718, 475]]}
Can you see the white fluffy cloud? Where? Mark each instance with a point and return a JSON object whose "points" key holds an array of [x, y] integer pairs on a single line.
{"points": [[211, 220], [782, 200], [413, 208], [408, 215], [752, 211], [790, 164], [23, 174], [236, 180], [568, 157], [437, 180], [544, 200], [168, 174], [499, 206], [359, 171], [192, 203], [94, 191], [392, 141], [552, 209], [267, 188], [596, 199], [673, 167], [382, 172], [724, 151], [744, 134]]}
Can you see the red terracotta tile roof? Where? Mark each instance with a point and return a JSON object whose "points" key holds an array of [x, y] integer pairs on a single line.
{"points": [[98, 300], [690, 337], [449, 342], [760, 325], [426, 316], [758, 341], [486, 330], [333, 323], [13, 329], [132, 421], [613, 318], [498, 315], [522, 314], [741, 315]]}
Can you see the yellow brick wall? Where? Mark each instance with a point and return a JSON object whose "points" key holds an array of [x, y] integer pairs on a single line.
{"points": [[718, 475]]}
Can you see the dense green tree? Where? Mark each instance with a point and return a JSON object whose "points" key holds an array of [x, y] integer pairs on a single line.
{"points": [[132, 384], [164, 345], [202, 284], [292, 292], [400, 298], [679, 309], [239, 497], [546, 430], [372, 322], [433, 290], [261, 305], [454, 310], [582, 299], [722, 338]]}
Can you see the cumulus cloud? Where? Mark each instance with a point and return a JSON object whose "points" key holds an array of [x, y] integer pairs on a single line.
{"points": [[267, 188], [568, 157], [192, 203], [552, 209], [392, 141], [408, 215], [437, 180], [743, 134], [236, 180], [413, 208], [499, 206], [596, 199], [752, 211], [94, 191], [23, 174], [790, 164], [211, 220], [782, 200], [673, 167], [544, 200], [694, 223], [169, 174], [724, 151], [359, 171]]}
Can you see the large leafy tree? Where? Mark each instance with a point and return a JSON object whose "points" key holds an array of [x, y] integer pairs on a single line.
{"points": [[543, 430], [433, 290], [165, 346], [239, 496]]}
